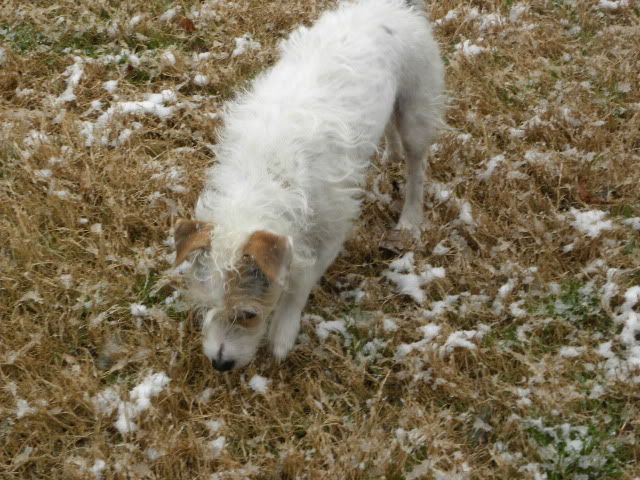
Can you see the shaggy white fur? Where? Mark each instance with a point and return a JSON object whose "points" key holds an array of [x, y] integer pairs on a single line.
{"points": [[294, 150]]}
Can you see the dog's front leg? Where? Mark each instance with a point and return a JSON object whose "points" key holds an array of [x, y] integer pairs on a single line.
{"points": [[285, 322]]}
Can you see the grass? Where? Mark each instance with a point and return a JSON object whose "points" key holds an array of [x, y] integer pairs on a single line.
{"points": [[586, 451], [551, 82]]}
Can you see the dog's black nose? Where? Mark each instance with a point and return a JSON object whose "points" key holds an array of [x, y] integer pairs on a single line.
{"points": [[223, 365]]}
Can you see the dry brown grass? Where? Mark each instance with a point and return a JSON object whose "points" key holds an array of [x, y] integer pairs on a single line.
{"points": [[329, 412]]}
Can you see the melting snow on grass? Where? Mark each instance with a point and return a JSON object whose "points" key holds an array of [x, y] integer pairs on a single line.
{"points": [[612, 5], [469, 49], [325, 328], [592, 223], [462, 339], [23, 408], [401, 272], [259, 384], [154, 104], [110, 86], [389, 325], [138, 310], [429, 332], [140, 397], [216, 446], [625, 365], [73, 74], [245, 43]]}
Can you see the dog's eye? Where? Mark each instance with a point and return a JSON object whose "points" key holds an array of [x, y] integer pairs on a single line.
{"points": [[246, 318]]}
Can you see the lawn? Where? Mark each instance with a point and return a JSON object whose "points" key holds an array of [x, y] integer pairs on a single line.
{"points": [[519, 359]]}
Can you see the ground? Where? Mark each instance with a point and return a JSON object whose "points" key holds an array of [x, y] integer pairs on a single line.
{"points": [[505, 344]]}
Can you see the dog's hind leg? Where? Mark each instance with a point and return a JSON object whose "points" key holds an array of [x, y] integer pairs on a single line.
{"points": [[417, 129], [393, 150]]}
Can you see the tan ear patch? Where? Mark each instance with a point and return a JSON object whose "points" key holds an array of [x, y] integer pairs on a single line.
{"points": [[271, 252], [189, 236]]}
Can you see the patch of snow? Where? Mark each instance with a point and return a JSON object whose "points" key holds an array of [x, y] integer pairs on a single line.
{"points": [[491, 167], [3, 56], [201, 57], [168, 58], [440, 248], [408, 283], [324, 328], [491, 20], [357, 295], [441, 306], [23, 456], [243, 44], [389, 325], [597, 391], [403, 264], [205, 395], [624, 87], [73, 74], [154, 104], [110, 86], [523, 397], [469, 49], [473, 13], [153, 454], [138, 310], [98, 467], [140, 400], [450, 16], [66, 280], [571, 352], [633, 222], [465, 214], [201, 80], [123, 137], [44, 173], [535, 157], [433, 273], [517, 11], [516, 132], [612, 5], [214, 426], [371, 350], [516, 309], [216, 446], [135, 21], [259, 384], [170, 14], [106, 401], [462, 339], [429, 333], [503, 292], [592, 222], [23, 408]]}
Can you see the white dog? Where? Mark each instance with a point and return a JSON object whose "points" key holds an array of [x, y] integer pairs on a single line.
{"points": [[291, 164]]}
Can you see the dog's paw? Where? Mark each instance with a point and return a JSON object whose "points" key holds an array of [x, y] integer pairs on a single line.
{"points": [[281, 347], [409, 226], [283, 336]]}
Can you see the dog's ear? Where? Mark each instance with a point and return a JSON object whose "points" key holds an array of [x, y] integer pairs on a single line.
{"points": [[189, 236], [272, 254]]}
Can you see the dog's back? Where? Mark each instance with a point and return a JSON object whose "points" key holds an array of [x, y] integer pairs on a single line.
{"points": [[295, 147]]}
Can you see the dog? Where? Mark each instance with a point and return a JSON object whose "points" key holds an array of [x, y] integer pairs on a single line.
{"points": [[292, 158]]}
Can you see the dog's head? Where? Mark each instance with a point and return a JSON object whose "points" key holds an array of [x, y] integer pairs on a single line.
{"points": [[240, 298]]}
